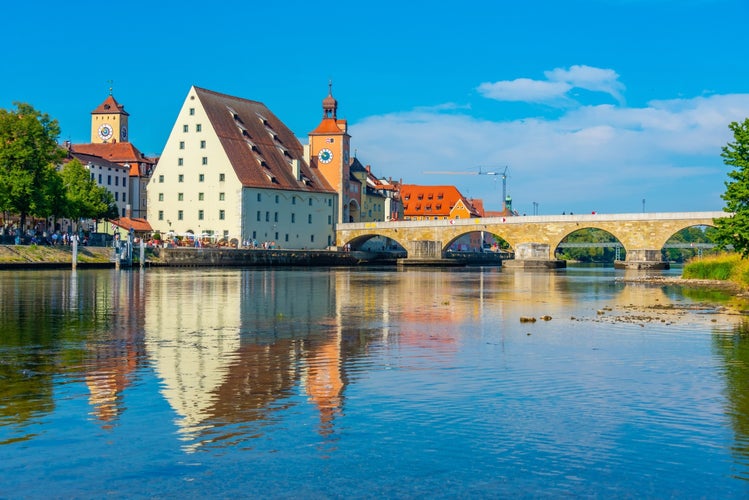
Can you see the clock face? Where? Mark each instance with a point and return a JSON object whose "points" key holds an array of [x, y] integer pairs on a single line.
{"points": [[105, 132], [326, 156], [123, 133]]}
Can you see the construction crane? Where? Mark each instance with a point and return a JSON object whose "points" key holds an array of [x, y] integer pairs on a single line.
{"points": [[480, 172]]}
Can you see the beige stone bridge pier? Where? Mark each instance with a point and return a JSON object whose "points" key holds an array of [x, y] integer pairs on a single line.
{"points": [[534, 239]]}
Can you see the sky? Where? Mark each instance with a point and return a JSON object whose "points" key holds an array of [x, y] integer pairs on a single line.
{"points": [[615, 106]]}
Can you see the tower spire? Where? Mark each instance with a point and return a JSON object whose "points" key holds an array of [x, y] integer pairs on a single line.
{"points": [[329, 104]]}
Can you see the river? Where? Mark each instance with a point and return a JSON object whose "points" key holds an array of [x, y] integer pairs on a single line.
{"points": [[369, 382]]}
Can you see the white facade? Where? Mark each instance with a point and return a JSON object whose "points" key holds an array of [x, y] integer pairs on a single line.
{"points": [[114, 178], [196, 185]]}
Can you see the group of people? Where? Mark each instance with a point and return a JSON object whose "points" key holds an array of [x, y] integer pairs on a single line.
{"points": [[39, 236], [265, 245]]}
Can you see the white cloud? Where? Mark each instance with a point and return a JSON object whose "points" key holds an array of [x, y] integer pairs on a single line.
{"points": [[526, 90], [604, 158], [557, 86]]}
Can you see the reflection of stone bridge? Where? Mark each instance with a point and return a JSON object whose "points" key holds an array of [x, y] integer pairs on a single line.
{"points": [[534, 239]]}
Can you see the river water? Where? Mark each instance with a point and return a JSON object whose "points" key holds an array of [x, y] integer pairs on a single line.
{"points": [[333, 383]]}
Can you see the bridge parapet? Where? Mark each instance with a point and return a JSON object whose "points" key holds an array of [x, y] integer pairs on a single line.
{"points": [[536, 238]]}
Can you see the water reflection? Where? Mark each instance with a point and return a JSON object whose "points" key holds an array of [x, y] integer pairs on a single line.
{"points": [[242, 356], [734, 349]]}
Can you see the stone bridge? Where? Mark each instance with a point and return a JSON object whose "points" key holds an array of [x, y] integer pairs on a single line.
{"points": [[534, 239]]}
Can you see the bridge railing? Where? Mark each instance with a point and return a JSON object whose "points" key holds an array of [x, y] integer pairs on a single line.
{"points": [[537, 219]]}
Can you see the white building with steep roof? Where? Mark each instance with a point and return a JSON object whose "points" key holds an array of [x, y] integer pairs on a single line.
{"points": [[231, 169]]}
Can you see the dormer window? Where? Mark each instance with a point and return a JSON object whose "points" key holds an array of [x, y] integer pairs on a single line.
{"points": [[271, 177]]}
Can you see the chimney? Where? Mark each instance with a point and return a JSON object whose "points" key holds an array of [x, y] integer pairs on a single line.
{"points": [[128, 211]]}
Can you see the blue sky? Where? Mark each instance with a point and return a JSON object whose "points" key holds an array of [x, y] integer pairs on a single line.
{"points": [[592, 105]]}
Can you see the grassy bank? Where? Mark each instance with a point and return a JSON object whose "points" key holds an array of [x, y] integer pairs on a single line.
{"points": [[725, 267], [20, 254]]}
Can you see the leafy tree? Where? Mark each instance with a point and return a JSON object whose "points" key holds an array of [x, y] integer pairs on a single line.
{"points": [[734, 230], [28, 155], [84, 199]]}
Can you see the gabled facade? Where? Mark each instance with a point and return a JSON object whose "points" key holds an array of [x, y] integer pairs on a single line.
{"points": [[231, 169], [379, 200], [435, 202]]}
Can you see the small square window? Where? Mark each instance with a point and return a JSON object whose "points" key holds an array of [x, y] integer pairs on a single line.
{"points": [[180, 215], [200, 196], [221, 177], [161, 196], [192, 111], [161, 178], [221, 215], [161, 215], [200, 215], [180, 178], [180, 196], [310, 202], [181, 144], [205, 160], [202, 144], [201, 177], [258, 197], [221, 197], [258, 215], [185, 128], [180, 162], [198, 128]]}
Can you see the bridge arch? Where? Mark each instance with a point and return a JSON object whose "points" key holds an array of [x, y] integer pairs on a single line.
{"points": [[643, 235], [476, 239], [358, 242]]}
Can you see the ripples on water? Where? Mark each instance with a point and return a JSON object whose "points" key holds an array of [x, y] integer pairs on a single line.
{"points": [[368, 383]]}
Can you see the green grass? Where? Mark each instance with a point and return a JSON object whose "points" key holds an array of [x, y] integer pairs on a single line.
{"points": [[724, 267]]}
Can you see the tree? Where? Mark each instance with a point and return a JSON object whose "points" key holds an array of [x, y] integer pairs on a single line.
{"points": [[28, 155], [734, 230], [84, 199]]}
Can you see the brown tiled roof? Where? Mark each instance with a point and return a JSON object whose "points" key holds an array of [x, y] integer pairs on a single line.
{"points": [[258, 145], [97, 160], [139, 225], [432, 201], [117, 152], [109, 106]]}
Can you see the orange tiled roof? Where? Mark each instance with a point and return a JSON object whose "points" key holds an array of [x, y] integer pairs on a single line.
{"points": [[432, 201], [139, 225], [116, 152], [330, 126]]}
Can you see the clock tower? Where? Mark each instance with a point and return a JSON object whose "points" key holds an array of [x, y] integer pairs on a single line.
{"points": [[329, 146], [109, 122]]}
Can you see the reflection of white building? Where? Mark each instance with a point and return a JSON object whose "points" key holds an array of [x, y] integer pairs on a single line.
{"points": [[192, 339]]}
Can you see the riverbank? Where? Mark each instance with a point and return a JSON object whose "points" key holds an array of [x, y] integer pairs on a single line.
{"points": [[723, 285], [35, 256]]}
